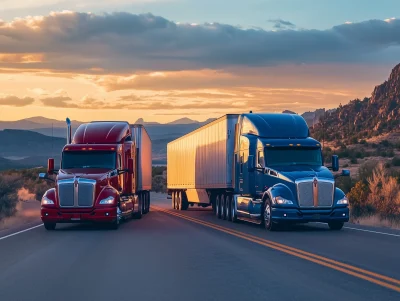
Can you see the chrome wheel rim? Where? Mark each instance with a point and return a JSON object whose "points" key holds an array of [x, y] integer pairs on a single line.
{"points": [[233, 209], [217, 206], [267, 214]]}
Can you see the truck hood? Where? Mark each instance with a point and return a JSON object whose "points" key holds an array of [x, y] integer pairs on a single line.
{"points": [[98, 174], [294, 172]]}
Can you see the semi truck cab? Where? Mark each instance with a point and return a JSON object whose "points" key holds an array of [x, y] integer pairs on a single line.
{"points": [[100, 177], [281, 173]]}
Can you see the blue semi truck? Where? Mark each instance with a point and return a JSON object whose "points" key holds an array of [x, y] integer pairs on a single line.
{"points": [[260, 168]]}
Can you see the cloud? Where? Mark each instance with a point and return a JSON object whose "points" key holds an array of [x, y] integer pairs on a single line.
{"points": [[126, 43], [15, 101], [282, 24]]}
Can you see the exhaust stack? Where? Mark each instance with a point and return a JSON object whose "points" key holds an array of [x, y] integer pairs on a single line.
{"points": [[69, 131]]}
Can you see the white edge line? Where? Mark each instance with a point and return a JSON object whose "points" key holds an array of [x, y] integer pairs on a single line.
{"points": [[364, 230], [376, 232], [19, 232]]}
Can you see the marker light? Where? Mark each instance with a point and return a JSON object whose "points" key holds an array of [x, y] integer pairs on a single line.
{"points": [[107, 201]]}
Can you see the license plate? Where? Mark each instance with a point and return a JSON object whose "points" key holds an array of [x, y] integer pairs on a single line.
{"points": [[75, 218]]}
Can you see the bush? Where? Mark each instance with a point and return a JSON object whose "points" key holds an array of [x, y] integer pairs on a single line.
{"points": [[358, 199], [396, 161], [9, 186], [353, 161], [384, 192], [366, 169]]}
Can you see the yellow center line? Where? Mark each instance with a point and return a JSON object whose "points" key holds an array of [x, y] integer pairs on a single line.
{"points": [[336, 265]]}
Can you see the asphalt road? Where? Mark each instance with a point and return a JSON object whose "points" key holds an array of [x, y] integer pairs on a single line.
{"points": [[191, 255]]}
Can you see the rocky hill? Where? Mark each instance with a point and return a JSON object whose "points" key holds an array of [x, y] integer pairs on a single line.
{"points": [[362, 119]]}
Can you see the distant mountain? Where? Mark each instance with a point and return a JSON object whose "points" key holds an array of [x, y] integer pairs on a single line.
{"points": [[184, 120], [365, 118]]}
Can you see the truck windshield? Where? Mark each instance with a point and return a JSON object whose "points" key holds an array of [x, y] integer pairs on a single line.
{"points": [[293, 156], [91, 159]]}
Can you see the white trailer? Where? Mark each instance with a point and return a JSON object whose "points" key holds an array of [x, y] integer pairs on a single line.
{"points": [[201, 160]]}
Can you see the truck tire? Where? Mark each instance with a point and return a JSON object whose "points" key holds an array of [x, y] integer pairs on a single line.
{"points": [[178, 200], [234, 218], [174, 200], [114, 225], [228, 204], [184, 205], [223, 207], [218, 206], [139, 214], [335, 225], [266, 217], [50, 226], [146, 203]]}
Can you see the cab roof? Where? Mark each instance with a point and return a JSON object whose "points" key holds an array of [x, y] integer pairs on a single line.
{"points": [[275, 125], [102, 132]]}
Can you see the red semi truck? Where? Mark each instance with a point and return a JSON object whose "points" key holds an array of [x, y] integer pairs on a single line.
{"points": [[104, 176]]}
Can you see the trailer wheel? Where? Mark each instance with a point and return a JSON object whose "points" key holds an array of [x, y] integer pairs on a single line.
{"points": [[178, 200], [146, 202], [174, 200], [233, 211], [139, 214], [218, 206], [184, 201]]}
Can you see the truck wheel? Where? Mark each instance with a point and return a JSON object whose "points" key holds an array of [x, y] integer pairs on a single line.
{"points": [[50, 226], [224, 205], [146, 202], [115, 224], [178, 200], [336, 225], [267, 217], [139, 214], [174, 200], [233, 211], [228, 204], [218, 206], [184, 202]]}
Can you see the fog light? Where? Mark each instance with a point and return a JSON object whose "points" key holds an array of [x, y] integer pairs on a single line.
{"points": [[107, 214], [46, 214], [344, 214], [284, 214]]}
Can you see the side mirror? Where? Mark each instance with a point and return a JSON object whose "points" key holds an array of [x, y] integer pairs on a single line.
{"points": [[50, 166], [250, 163], [130, 166], [345, 173], [44, 176], [335, 163]]}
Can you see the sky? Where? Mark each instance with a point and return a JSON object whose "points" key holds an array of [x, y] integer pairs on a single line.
{"points": [[166, 59]]}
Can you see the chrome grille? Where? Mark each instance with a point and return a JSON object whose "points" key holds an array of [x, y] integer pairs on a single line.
{"points": [[309, 195], [305, 194], [66, 193], [76, 193], [325, 193]]}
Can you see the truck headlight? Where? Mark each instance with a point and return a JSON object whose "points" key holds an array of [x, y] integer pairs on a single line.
{"points": [[343, 201], [281, 201], [47, 201], [107, 201]]}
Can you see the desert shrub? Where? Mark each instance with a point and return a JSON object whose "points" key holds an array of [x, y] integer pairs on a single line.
{"points": [[384, 192], [396, 161], [159, 184], [366, 169], [353, 161], [9, 186], [344, 183], [358, 199]]}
